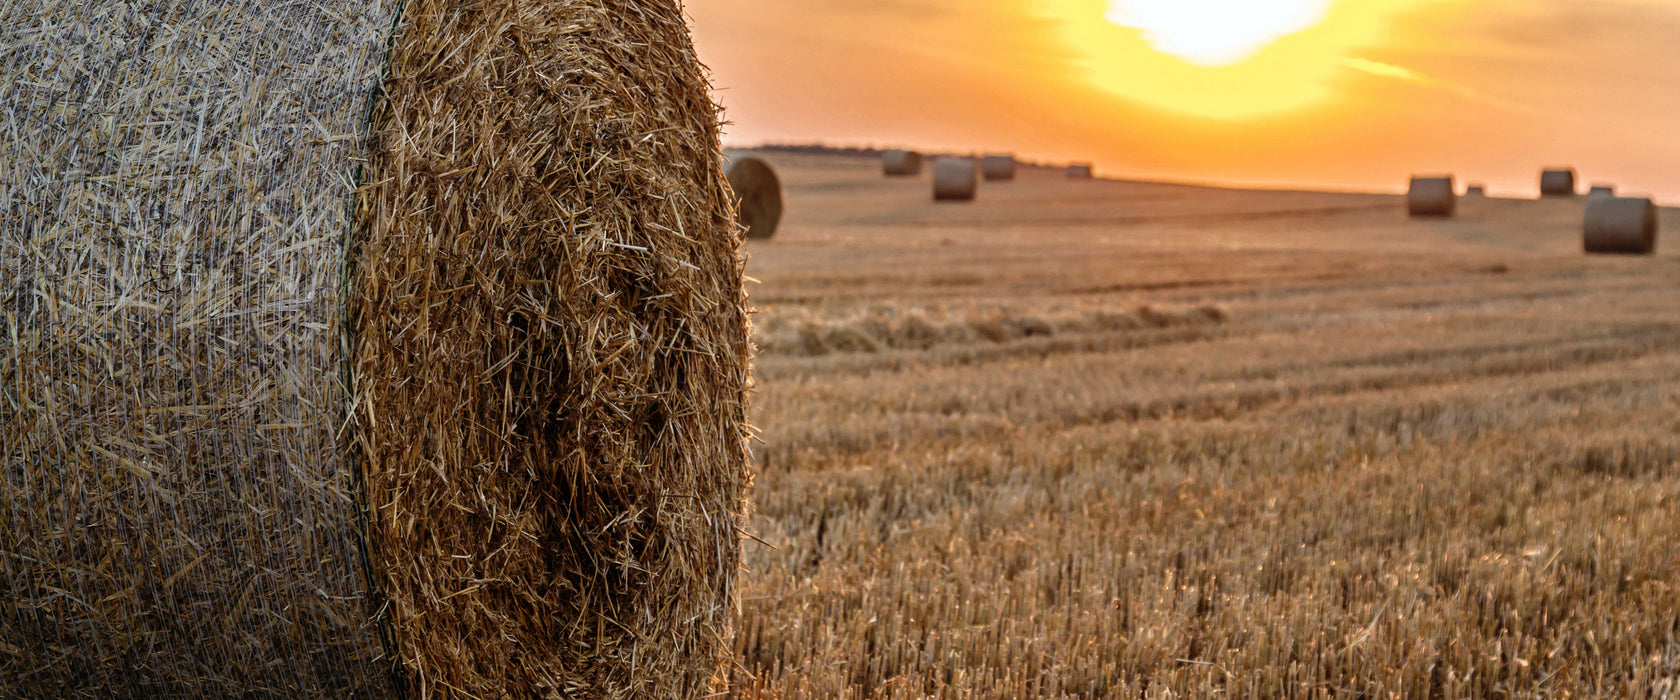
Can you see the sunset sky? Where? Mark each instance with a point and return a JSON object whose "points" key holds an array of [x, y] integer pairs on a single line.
{"points": [[1354, 94]]}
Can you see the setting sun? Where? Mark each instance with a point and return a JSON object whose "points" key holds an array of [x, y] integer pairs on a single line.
{"points": [[1221, 59], [1216, 32]]}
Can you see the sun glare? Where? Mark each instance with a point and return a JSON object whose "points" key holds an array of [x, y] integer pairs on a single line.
{"points": [[1216, 32], [1222, 59]]}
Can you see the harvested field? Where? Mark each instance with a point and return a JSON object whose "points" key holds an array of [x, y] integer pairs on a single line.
{"points": [[1215, 443]]}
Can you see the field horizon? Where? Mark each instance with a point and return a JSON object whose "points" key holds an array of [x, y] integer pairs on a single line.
{"points": [[872, 152]]}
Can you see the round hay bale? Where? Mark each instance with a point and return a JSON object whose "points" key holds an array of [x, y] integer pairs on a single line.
{"points": [[320, 383], [759, 196], [1476, 189], [998, 167], [1080, 171], [1432, 196], [955, 180], [1601, 190], [901, 163], [1557, 182], [1626, 225]]}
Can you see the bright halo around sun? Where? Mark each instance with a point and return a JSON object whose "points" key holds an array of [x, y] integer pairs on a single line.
{"points": [[1222, 59], [1216, 32]]}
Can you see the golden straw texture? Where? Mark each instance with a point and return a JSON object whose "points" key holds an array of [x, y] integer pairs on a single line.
{"points": [[475, 429], [551, 353], [177, 519]]}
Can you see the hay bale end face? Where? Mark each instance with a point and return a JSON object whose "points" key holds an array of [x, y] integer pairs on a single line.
{"points": [[998, 168], [901, 163], [1432, 197], [1621, 225], [1557, 182], [759, 195], [447, 403], [955, 180], [1080, 171]]}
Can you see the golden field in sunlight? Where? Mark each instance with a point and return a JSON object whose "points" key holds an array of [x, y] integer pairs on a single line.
{"points": [[1095, 439]]}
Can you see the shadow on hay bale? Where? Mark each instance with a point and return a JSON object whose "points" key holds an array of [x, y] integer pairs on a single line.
{"points": [[1625, 225], [759, 195], [1432, 197], [535, 486], [901, 163], [955, 180]]}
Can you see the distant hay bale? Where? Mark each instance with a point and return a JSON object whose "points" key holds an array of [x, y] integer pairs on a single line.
{"points": [[317, 383], [955, 179], [759, 193], [901, 163], [1557, 182], [998, 167], [1432, 196], [1602, 190], [1476, 189], [1626, 225], [1080, 171]]}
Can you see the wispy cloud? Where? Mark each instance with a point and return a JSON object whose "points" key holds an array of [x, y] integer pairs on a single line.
{"points": [[1401, 73]]}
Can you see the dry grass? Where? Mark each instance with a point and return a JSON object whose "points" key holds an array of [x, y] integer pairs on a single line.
{"points": [[1626, 225], [1431, 458], [901, 163], [885, 328], [955, 179], [1558, 182], [174, 188], [1432, 196], [475, 428], [996, 167], [550, 355], [758, 195]]}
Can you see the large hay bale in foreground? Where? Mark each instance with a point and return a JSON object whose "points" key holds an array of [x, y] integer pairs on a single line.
{"points": [[1557, 182], [955, 180], [1626, 225], [473, 428], [998, 167], [901, 163], [758, 194], [1432, 196], [1080, 171]]}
